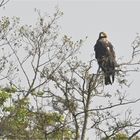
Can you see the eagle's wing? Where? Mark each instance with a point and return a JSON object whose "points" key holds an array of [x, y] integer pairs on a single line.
{"points": [[100, 49], [111, 51]]}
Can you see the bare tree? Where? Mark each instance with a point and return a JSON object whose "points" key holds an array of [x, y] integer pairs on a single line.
{"points": [[3, 2], [41, 73]]}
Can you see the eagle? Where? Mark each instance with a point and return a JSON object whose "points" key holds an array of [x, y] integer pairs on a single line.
{"points": [[106, 58]]}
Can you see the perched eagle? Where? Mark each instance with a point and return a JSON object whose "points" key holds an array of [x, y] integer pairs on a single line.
{"points": [[105, 56]]}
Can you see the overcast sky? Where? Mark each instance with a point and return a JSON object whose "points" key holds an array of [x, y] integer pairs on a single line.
{"points": [[120, 19]]}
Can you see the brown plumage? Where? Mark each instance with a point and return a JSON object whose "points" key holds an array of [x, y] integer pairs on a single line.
{"points": [[105, 56]]}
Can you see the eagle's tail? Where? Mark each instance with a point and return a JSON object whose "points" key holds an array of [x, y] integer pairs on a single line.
{"points": [[112, 72], [108, 67], [113, 76], [107, 79]]}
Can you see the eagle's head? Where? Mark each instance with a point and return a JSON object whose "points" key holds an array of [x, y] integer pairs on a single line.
{"points": [[102, 35]]}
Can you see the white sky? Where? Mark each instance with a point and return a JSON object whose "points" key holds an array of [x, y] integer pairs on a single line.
{"points": [[120, 19]]}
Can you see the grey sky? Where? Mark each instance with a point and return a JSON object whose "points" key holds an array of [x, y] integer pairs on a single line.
{"points": [[120, 19], [87, 18]]}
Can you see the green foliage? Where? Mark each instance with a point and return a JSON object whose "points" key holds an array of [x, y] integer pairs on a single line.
{"points": [[15, 124], [24, 123], [52, 122], [4, 23], [11, 89], [121, 136], [4, 96]]}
